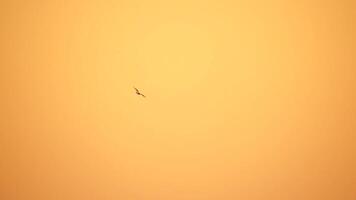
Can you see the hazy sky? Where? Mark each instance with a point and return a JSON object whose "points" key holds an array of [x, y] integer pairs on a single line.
{"points": [[246, 100]]}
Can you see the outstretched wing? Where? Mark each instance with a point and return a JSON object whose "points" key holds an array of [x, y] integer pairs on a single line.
{"points": [[143, 95], [137, 91]]}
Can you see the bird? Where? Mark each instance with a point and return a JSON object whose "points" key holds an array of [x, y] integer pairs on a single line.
{"points": [[139, 93]]}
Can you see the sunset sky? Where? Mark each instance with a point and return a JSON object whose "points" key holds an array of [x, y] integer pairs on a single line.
{"points": [[246, 100]]}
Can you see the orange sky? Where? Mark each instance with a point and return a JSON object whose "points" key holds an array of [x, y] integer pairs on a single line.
{"points": [[246, 100]]}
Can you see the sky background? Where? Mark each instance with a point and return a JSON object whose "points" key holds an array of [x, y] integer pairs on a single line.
{"points": [[248, 100]]}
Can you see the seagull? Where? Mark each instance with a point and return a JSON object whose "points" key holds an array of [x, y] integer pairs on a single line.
{"points": [[138, 92]]}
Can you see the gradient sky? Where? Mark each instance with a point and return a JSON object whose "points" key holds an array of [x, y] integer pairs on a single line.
{"points": [[246, 100]]}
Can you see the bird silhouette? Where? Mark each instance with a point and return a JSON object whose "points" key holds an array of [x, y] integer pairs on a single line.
{"points": [[139, 93]]}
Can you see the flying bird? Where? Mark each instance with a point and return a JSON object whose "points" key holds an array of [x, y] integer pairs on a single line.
{"points": [[139, 93]]}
